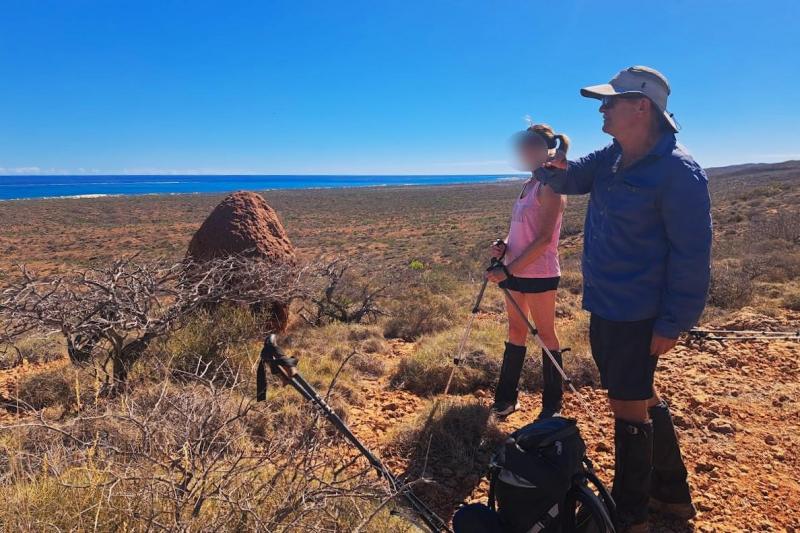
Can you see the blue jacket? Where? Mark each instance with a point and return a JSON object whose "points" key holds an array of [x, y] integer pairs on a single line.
{"points": [[647, 236]]}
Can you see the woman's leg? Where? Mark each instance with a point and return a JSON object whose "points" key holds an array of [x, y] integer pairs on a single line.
{"points": [[505, 395], [543, 312], [517, 330]]}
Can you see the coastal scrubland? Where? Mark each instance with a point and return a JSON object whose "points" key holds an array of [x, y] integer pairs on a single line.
{"points": [[182, 449]]}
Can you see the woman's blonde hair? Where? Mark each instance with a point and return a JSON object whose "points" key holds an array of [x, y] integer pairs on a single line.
{"points": [[550, 137]]}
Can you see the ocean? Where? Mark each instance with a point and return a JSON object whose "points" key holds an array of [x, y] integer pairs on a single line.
{"points": [[20, 187]]}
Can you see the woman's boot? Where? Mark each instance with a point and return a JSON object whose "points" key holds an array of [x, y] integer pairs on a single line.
{"points": [[505, 394], [552, 384]]}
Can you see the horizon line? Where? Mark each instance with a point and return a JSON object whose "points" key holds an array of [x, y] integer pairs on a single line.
{"points": [[326, 174]]}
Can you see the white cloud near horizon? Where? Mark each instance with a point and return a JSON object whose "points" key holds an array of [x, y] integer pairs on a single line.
{"points": [[20, 170]]}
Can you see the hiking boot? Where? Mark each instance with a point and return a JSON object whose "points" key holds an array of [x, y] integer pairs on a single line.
{"points": [[502, 410], [633, 447], [668, 484], [552, 385], [506, 393], [680, 511]]}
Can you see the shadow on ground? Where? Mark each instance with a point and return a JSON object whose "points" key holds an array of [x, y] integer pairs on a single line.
{"points": [[448, 450]]}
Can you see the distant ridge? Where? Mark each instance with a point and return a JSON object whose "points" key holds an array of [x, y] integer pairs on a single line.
{"points": [[792, 164], [740, 179]]}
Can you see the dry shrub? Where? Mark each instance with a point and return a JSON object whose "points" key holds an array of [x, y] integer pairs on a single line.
{"points": [[114, 313], [783, 225], [779, 264], [571, 281], [45, 389], [64, 387], [428, 368], [791, 300], [420, 313], [730, 287], [342, 295], [370, 364], [32, 349], [185, 457], [449, 446]]}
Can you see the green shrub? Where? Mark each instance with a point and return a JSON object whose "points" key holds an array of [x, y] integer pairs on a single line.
{"points": [[416, 264], [210, 344], [428, 368]]}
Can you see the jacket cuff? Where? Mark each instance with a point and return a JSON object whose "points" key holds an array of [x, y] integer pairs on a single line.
{"points": [[542, 174], [666, 329]]}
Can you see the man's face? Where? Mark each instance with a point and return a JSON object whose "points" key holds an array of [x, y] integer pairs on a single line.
{"points": [[622, 114]]}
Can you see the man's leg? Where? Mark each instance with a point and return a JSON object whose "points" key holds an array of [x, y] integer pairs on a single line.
{"points": [[622, 351], [669, 490], [633, 451]]}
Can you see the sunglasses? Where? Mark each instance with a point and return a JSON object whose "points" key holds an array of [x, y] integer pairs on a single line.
{"points": [[528, 139], [609, 101]]}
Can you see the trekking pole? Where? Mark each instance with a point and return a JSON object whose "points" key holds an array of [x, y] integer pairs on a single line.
{"points": [[735, 334], [286, 367], [475, 308], [538, 339]]}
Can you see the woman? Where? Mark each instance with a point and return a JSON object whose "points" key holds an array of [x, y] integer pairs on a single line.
{"points": [[531, 273]]}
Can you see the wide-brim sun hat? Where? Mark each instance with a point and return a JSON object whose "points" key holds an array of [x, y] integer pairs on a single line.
{"points": [[637, 80]]}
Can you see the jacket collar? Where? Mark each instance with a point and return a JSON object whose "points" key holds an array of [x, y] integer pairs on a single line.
{"points": [[664, 146]]}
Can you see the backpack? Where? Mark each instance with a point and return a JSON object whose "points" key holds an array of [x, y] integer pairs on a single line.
{"points": [[541, 482]]}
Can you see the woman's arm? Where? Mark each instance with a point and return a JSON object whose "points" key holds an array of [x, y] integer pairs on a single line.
{"points": [[551, 204]]}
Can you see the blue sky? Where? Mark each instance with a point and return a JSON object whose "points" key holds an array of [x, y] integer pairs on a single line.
{"points": [[379, 86]]}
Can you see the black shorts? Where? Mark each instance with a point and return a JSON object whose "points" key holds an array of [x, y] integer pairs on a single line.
{"points": [[621, 351], [530, 285]]}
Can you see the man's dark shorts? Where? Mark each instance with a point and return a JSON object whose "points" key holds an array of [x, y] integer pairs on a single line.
{"points": [[621, 351]]}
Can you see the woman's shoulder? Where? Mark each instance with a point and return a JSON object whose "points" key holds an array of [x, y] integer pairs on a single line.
{"points": [[545, 191]]}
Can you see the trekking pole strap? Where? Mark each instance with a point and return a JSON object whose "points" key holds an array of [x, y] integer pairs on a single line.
{"points": [[279, 364]]}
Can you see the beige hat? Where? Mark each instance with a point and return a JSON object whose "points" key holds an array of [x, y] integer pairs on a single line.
{"points": [[637, 80]]}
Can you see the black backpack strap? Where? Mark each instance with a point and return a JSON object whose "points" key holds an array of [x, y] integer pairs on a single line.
{"points": [[493, 472]]}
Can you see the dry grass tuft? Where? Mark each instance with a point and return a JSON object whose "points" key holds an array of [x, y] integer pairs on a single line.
{"points": [[448, 445], [420, 313]]}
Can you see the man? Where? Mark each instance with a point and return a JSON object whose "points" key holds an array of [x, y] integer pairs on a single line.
{"points": [[646, 269]]}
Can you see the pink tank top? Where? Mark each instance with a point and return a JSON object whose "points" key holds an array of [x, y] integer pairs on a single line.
{"points": [[525, 227]]}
